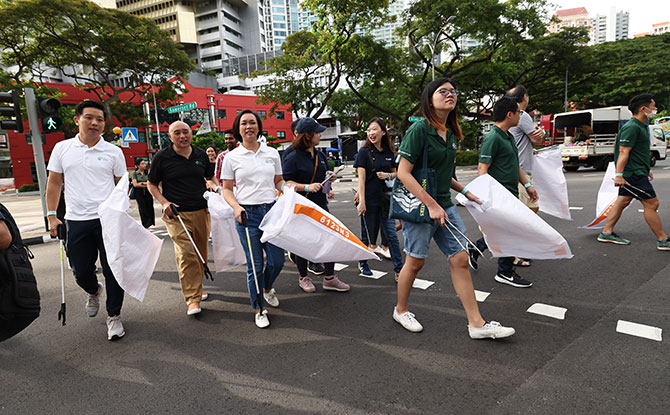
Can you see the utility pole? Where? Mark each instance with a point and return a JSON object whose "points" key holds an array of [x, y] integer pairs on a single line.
{"points": [[40, 166], [565, 100]]}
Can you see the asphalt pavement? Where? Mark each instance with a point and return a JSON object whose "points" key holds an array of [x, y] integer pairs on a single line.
{"points": [[342, 353]]}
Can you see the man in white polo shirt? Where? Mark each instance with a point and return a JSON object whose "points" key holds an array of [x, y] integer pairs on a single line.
{"points": [[90, 167]]}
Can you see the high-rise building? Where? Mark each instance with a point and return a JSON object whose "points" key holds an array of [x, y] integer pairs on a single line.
{"points": [[211, 31], [598, 32], [281, 21], [385, 32], [620, 25], [576, 17]]}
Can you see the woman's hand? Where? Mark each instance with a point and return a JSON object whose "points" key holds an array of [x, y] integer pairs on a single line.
{"points": [[382, 175], [314, 187], [361, 208], [437, 214], [473, 197]]}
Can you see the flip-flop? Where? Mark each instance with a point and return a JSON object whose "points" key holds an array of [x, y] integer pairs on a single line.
{"points": [[520, 262]]}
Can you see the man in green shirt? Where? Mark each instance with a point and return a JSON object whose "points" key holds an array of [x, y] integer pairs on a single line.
{"points": [[632, 159], [500, 159]]}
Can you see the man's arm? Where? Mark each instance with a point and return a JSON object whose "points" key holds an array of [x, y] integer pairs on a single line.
{"points": [[523, 179], [54, 184], [156, 193], [624, 153], [483, 168]]}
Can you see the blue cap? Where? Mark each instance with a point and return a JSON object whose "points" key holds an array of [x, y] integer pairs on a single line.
{"points": [[309, 124]]}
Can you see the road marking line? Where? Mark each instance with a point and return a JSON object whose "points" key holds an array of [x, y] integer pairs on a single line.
{"points": [[548, 310], [666, 168], [422, 284], [340, 267], [375, 275], [591, 174], [576, 208], [639, 330], [162, 233], [481, 295]]}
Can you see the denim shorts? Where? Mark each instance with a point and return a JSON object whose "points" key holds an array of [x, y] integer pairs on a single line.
{"points": [[449, 240]]}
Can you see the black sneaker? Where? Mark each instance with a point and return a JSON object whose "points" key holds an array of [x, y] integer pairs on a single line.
{"points": [[473, 256], [513, 279], [316, 269]]}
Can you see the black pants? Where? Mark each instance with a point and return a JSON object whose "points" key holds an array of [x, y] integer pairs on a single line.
{"points": [[301, 263], [145, 204], [84, 241]]}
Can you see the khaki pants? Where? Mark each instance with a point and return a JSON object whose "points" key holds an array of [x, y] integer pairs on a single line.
{"points": [[189, 266], [523, 195]]}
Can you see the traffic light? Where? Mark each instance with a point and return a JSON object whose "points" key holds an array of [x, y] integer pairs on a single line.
{"points": [[13, 111], [51, 121]]}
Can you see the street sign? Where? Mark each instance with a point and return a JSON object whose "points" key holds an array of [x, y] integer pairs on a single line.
{"points": [[129, 135], [415, 119], [182, 107]]}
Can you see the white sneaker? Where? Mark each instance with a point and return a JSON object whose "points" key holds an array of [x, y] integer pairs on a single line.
{"points": [[93, 302], [262, 320], [114, 328], [407, 320], [491, 330], [383, 252], [271, 298]]}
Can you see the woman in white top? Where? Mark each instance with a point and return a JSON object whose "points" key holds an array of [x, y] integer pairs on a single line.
{"points": [[256, 170]]}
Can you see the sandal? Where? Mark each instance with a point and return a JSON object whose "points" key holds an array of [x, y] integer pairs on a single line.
{"points": [[520, 262]]}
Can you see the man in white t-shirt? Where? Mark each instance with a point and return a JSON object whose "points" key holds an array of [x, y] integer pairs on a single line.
{"points": [[526, 134], [91, 167]]}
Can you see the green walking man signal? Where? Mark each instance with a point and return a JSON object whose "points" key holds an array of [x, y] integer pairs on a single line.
{"points": [[48, 108]]}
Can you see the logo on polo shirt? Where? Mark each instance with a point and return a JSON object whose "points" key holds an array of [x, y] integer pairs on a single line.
{"points": [[198, 163], [269, 161], [453, 145], [103, 158]]}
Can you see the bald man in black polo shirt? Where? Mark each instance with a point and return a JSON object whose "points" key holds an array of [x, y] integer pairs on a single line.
{"points": [[180, 169]]}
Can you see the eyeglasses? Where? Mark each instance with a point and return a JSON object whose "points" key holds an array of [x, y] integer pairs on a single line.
{"points": [[446, 92]]}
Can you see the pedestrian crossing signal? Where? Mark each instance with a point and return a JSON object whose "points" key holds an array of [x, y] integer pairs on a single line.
{"points": [[51, 121], [12, 111]]}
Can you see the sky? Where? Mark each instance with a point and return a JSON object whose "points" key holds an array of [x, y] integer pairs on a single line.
{"points": [[642, 13]]}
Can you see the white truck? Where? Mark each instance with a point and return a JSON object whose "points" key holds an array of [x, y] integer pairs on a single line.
{"points": [[589, 137]]}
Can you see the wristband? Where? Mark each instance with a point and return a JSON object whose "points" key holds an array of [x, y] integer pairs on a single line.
{"points": [[282, 186], [527, 185], [464, 191], [306, 188], [52, 212], [619, 174], [217, 189]]}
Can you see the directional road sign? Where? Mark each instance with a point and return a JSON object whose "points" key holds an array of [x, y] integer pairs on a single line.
{"points": [[182, 107], [129, 135]]}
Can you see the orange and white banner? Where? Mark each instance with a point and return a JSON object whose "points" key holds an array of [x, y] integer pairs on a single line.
{"points": [[298, 225]]}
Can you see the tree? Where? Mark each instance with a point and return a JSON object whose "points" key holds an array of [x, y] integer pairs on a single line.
{"points": [[99, 48]]}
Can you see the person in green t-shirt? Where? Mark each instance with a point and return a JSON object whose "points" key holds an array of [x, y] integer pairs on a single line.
{"points": [[500, 159], [632, 158], [145, 203], [438, 132]]}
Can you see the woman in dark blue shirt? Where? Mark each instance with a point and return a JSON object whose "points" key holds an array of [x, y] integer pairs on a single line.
{"points": [[306, 168], [375, 164]]}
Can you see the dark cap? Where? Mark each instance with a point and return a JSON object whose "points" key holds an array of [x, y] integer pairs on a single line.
{"points": [[309, 124]]}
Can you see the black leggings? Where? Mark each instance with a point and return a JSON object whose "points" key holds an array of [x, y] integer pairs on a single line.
{"points": [[301, 263]]}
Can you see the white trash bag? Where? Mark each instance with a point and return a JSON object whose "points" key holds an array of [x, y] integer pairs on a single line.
{"points": [[132, 251], [607, 195], [228, 251], [550, 183], [509, 227], [298, 225]]}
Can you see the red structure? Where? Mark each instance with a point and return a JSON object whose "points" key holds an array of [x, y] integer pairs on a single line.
{"points": [[225, 108]]}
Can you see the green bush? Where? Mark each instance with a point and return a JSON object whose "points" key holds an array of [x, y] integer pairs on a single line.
{"points": [[29, 187], [467, 158], [331, 164]]}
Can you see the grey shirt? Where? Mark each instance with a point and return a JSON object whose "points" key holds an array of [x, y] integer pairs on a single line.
{"points": [[523, 143]]}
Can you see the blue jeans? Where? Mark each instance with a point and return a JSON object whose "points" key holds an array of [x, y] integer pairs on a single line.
{"points": [[505, 264], [84, 241], [275, 256], [374, 220]]}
